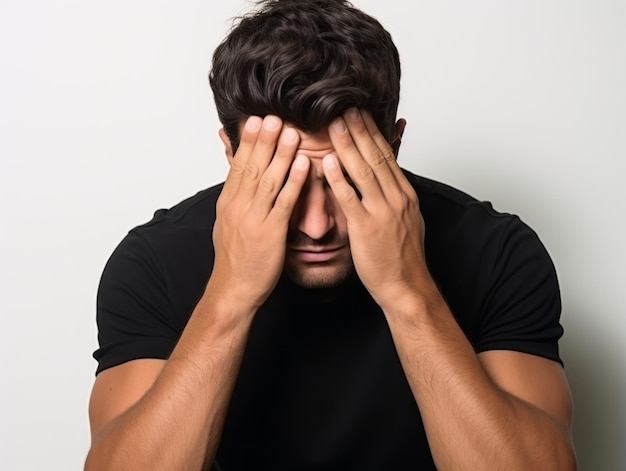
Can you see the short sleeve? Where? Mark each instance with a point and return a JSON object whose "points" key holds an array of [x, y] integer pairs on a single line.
{"points": [[522, 308], [133, 306]]}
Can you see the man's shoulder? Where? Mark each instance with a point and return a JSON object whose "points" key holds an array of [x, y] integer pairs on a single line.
{"points": [[461, 227], [176, 231], [440, 202], [428, 188], [194, 212]]}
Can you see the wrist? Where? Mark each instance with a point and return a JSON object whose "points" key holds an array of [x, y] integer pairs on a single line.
{"points": [[237, 290], [415, 303], [227, 309]]}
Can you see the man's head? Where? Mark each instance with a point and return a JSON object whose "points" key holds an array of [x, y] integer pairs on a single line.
{"points": [[306, 61]]}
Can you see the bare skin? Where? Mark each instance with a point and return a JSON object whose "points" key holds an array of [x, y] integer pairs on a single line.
{"points": [[495, 410]]}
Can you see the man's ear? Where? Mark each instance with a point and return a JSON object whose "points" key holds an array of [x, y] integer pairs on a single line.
{"points": [[228, 148], [397, 139]]}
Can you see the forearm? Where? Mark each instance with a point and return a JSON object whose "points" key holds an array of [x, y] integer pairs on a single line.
{"points": [[177, 423], [471, 423]]}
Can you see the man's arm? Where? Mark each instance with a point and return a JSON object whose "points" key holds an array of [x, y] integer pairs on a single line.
{"points": [[496, 410], [149, 414], [169, 415]]}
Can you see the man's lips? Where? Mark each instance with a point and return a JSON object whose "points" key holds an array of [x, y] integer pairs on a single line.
{"points": [[316, 254]]}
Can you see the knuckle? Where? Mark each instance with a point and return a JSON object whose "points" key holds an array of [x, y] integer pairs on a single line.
{"points": [[364, 173], [267, 185], [251, 171], [283, 202], [227, 213], [398, 200], [348, 195], [378, 161], [389, 156], [237, 166]]}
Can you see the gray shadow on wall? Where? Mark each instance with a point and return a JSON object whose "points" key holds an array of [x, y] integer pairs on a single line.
{"points": [[599, 435]]}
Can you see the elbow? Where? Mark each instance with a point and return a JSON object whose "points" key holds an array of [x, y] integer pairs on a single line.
{"points": [[101, 457], [567, 461], [95, 462], [560, 457], [564, 455], [90, 462]]}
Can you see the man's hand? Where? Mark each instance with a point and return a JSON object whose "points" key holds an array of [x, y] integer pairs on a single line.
{"points": [[253, 211], [384, 223]]}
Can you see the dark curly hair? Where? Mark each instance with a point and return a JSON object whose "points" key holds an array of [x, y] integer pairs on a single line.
{"points": [[305, 61]]}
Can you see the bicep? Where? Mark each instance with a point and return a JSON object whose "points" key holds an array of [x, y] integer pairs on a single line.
{"points": [[532, 379], [117, 389]]}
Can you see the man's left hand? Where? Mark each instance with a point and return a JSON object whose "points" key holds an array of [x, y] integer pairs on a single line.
{"points": [[385, 226]]}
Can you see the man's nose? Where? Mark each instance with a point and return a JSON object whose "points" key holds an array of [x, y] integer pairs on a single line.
{"points": [[314, 213]]}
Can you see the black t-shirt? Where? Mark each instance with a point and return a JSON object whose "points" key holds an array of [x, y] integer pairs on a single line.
{"points": [[321, 386]]}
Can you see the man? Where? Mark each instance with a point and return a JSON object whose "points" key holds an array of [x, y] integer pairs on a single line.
{"points": [[324, 309]]}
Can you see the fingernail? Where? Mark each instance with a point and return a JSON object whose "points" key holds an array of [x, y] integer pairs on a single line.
{"points": [[301, 162], [290, 135], [253, 123], [271, 123], [353, 114], [339, 125], [329, 161]]}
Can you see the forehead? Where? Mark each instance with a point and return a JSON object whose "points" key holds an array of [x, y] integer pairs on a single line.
{"points": [[314, 145]]}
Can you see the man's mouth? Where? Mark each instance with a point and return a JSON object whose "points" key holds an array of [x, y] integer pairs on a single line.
{"points": [[316, 254]]}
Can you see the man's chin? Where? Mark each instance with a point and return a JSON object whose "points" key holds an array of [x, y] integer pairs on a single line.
{"points": [[320, 276]]}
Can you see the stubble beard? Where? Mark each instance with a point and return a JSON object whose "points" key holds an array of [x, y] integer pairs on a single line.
{"points": [[320, 276]]}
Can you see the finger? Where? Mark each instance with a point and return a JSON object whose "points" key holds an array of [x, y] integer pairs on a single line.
{"points": [[260, 156], [275, 176], [390, 156], [372, 146], [346, 195], [288, 196], [248, 139], [358, 169]]}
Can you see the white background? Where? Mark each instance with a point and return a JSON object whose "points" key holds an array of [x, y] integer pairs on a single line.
{"points": [[106, 115]]}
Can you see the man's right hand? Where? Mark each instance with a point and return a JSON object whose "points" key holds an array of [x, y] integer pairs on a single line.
{"points": [[254, 209]]}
